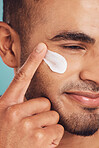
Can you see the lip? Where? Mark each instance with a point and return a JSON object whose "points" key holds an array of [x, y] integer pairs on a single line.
{"points": [[86, 99]]}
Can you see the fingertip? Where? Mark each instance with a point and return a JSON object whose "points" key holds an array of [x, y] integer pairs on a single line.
{"points": [[41, 47], [62, 129], [47, 103]]}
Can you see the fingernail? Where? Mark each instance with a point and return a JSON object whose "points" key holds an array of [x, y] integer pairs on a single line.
{"points": [[40, 47]]}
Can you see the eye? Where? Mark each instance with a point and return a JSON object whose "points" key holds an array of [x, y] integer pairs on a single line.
{"points": [[74, 47]]}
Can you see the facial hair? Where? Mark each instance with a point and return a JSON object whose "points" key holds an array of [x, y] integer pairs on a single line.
{"points": [[84, 123]]}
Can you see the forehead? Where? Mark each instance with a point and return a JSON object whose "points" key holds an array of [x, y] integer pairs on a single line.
{"points": [[71, 7], [82, 15]]}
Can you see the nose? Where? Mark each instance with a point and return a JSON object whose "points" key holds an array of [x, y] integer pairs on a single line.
{"points": [[90, 70]]}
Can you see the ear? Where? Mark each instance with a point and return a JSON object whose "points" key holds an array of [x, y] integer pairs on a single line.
{"points": [[9, 46]]}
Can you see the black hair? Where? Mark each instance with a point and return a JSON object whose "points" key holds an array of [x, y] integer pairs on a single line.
{"points": [[15, 8], [15, 13], [19, 14], [10, 7]]}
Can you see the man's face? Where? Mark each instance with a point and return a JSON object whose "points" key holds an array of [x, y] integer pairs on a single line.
{"points": [[70, 28]]}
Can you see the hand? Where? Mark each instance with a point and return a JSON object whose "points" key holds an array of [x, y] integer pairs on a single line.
{"points": [[28, 124]]}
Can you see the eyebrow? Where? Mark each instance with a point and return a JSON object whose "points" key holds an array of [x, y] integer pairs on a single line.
{"points": [[75, 36]]}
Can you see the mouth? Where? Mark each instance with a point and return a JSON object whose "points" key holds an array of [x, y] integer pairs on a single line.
{"points": [[85, 99]]}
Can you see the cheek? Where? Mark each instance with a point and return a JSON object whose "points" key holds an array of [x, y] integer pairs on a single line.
{"points": [[56, 62], [75, 64], [49, 83], [53, 79]]}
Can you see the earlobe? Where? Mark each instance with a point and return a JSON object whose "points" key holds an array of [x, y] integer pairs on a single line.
{"points": [[8, 48]]}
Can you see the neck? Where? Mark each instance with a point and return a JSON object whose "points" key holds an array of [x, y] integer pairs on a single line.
{"points": [[74, 141]]}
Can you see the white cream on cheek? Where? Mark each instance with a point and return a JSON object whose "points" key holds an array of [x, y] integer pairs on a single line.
{"points": [[56, 62]]}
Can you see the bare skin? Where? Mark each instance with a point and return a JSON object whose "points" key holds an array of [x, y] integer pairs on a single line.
{"points": [[28, 124], [82, 75]]}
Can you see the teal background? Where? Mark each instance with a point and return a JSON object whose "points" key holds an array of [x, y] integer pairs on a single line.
{"points": [[6, 73]]}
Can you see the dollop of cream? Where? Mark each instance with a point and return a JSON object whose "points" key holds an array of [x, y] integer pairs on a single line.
{"points": [[56, 62]]}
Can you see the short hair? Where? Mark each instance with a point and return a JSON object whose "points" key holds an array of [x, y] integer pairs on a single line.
{"points": [[14, 10], [17, 14]]}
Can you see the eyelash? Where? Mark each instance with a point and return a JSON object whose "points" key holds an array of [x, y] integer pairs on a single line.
{"points": [[74, 47]]}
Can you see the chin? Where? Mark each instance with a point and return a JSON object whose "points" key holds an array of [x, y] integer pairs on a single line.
{"points": [[84, 132], [80, 124], [79, 121]]}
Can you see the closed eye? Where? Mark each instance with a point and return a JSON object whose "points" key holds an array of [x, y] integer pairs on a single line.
{"points": [[74, 47]]}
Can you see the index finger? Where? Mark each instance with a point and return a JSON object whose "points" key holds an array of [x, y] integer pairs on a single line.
{"points": [[17, 89]]}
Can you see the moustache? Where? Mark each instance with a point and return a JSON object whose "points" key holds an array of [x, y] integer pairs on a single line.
{"points": [[81, 86]]}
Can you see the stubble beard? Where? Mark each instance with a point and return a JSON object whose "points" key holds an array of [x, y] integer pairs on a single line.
{"points": [[82, 124]]}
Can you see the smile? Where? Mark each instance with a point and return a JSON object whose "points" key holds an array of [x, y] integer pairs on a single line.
{"points": [[86, 99]]}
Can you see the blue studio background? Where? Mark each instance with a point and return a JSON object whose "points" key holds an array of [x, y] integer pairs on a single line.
{"points": [[6, 73]]}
